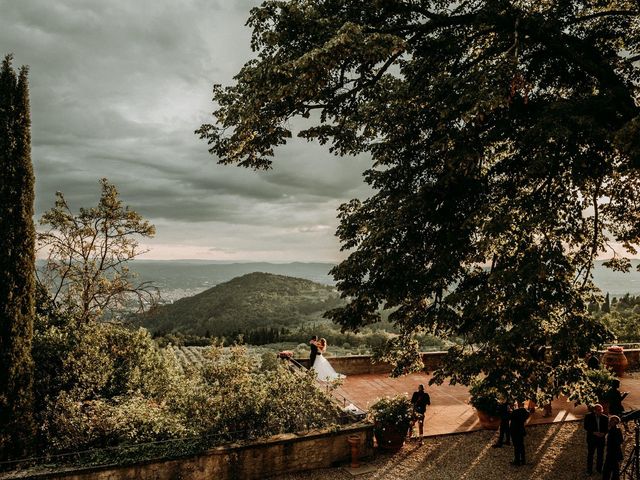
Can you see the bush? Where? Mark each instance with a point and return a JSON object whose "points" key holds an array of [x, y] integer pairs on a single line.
{"points": [[269, 361], [102, 384], [73, 425], [593, 387], [396, 410], [484, 398]]}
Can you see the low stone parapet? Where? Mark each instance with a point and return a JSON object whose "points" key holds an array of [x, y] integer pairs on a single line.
{"points": [[364, 364], [266, 458]]}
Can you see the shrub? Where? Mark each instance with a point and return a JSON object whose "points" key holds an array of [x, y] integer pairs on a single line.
{"points": [[269, 361], [392, 410], [106, 385], [594, 387], [73, 425], [484, 397]]}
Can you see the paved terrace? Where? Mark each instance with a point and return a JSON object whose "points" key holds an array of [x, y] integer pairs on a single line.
{"points": [[450, 411]]}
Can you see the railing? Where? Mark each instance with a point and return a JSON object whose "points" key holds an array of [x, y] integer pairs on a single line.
{"points": [[337, 397], [120, 454], [626, 346]]}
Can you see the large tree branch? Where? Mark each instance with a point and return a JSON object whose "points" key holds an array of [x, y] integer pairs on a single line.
{"points": [[604, 13]]}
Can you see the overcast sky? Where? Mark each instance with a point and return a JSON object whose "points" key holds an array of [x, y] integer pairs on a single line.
{"points": [[118, 88]]}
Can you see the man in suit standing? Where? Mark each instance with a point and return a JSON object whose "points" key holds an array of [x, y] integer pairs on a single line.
{"points": [[615, 398], [313, 344], [420, 400], [504, 411], [518, 418], [597, 425]]}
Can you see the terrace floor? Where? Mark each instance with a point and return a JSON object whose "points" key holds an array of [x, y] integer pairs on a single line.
{"points": [[450, 411]]}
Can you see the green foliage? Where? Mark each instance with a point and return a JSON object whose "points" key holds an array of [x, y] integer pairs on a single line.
{"points": [[625, 325], [104, 384], [622, 317], [396, 410], [504, 161], [484, 397], [259, 304], [403, 353], [606, 306], [87, 271], [269, 361], [17, 262], [72, 425], [180, 339], [598, 383]]}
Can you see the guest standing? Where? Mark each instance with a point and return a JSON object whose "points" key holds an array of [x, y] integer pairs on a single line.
{"points": [[504, 412], [516, 428], [597, 425], [611, 468], [615, 397]]}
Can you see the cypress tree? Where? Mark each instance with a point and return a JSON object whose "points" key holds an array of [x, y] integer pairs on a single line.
{"points": [[17, 262], [606, 307]]}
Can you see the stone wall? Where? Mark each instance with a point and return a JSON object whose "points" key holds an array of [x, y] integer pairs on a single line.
{"points": [[632, 354], [353, 365], [363, 364], [268, 458]]}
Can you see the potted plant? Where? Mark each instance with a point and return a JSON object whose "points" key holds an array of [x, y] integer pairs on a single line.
{"points": [[392, 418], [485, 400], [599, 383]]}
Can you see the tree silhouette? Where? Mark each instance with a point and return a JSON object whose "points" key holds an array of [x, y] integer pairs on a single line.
{"points": [[505, 154], [17, 262]]}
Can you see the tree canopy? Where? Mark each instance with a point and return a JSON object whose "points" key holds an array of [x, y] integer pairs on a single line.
{"points": [[504, 138], [87, 271]]}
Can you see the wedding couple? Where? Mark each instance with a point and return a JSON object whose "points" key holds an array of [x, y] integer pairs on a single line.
{"points": [[317, 361]]}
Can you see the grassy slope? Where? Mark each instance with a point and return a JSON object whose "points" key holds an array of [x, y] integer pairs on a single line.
{"points": [[251, 301]]}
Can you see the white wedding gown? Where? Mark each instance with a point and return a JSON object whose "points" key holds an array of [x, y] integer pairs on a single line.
{"points": [[324, 370]]}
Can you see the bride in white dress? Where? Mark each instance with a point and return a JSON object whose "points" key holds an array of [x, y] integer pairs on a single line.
{"points": [[324, 370]]}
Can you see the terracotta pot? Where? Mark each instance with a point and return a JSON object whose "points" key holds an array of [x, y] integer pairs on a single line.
{"points": [[615, 360], [354, 443], [488, 422], [389, 436]]}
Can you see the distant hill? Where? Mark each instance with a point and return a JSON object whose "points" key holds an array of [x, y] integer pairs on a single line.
{"points": [[181, 278], [252, 301], [617, 283]]}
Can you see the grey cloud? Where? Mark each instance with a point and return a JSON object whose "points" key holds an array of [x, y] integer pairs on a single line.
{"points": [[117, 89]]}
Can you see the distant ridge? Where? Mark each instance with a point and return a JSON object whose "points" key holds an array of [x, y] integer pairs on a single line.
{"points": [[252, 301], [201, 274], [197, 275]]}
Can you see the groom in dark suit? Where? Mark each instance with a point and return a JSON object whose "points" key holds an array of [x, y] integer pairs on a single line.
{"points": [[314, 350]]}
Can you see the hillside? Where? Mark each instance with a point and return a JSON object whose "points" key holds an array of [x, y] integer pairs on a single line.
{"points": [[250, 302]]}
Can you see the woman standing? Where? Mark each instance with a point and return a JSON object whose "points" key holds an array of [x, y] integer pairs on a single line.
{"points": [[611, 468]]}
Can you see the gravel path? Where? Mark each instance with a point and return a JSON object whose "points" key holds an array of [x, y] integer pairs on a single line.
{"points": [[554, 452]]}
